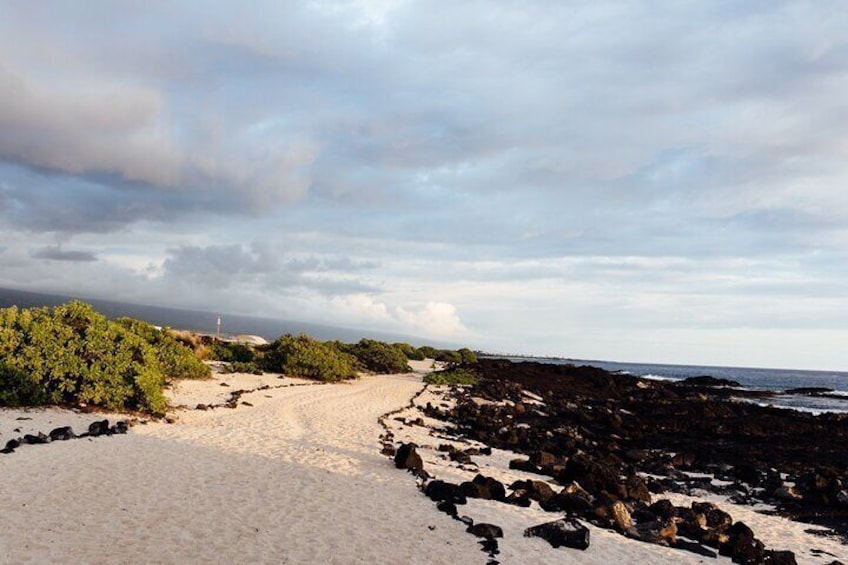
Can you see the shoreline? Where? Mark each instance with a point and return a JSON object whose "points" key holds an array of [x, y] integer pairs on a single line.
{"points": [[294, 472]]}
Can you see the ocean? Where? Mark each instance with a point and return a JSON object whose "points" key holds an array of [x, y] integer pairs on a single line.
{"points": [[775, 380]]}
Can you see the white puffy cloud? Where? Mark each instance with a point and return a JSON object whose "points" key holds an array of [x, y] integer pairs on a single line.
{"points": [[438, 319]]}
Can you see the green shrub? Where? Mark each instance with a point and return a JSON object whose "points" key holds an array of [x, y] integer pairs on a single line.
{"points": [[449, 356], [231, 352], [176, 359], [18, 389], [467, 355], [428, 352], [379, 357], [411, 353], [455, 376], [72, 355], [305, 357]]}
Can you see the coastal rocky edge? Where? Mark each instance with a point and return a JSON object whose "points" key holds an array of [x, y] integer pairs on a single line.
{"points": [[606, 447]]}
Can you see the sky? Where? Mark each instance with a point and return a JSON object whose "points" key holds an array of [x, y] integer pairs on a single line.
{"points": [[632, 180]]}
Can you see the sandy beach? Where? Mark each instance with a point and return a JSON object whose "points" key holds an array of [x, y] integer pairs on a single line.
{"points": [[294, 474]]}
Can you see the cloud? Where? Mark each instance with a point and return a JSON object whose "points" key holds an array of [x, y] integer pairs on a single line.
{"points": [[609, 166], [265, 268], [435, 320], [56, 253]]}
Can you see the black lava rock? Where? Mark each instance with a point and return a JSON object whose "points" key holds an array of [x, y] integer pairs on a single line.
{"points": [[98, 428], [566, 532], [440, 490], [62, 434], [407, 458], [483, 530]]}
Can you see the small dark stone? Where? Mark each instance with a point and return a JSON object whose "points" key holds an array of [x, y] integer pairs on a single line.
{"points": [[494, 486], [120, 427], [61, 434], [524, 465], [447, 507], [35, 439], [519, 498], [664, 509], [98, 428], [460, 457], [566, 532], [473, 490], [201, 407], [407, 458], [717, 519], [483, 530], [742, 546], [490, 546], [440, 490], [12, 445]]}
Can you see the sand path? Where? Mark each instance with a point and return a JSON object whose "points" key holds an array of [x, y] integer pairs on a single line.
{"points": [[297, 478]]}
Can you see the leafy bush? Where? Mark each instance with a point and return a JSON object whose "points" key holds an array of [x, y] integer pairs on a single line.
{"points": [[411, 353], [455, 376], [428, 352], [305, 357], [448, 356], [71, 354], [467, 355], [176, 359], [379, 357], [231, 352], [18, 389]]}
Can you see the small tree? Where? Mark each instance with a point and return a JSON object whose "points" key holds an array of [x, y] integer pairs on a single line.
{"points": [[428, 352], [380, 357], [411, 353], [305, 357], [467, 355]]}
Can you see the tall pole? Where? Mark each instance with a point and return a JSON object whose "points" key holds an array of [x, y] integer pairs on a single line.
{"points": [[218, 331]]}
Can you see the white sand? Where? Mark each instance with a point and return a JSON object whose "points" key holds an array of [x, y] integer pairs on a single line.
{"points": [[295, 478]]}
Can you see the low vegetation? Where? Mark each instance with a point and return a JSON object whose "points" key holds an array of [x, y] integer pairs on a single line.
{"points": [[231, 352], [411, 353], [72, 355], [302, 356], [379, 357], [453, 376]]}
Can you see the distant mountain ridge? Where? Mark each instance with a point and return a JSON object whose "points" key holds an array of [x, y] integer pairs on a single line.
{"points": [[202, 321]]}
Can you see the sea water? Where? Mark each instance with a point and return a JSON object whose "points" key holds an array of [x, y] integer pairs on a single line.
{"points": [[775, 380]]}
